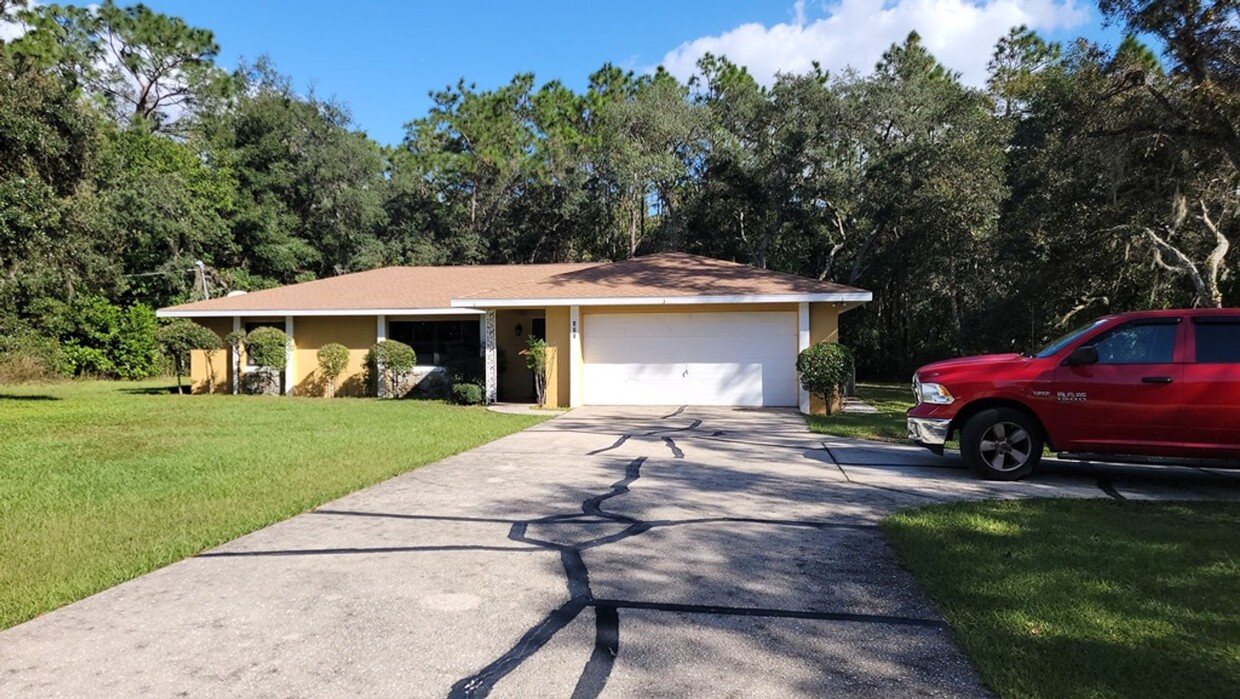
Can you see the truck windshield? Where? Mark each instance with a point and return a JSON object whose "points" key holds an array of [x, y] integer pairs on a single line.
{"points": [[1066, 340]]}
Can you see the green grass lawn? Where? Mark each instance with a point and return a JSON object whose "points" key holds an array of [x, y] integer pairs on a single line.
{"points": [[891, 400], [101, 481], [1085, 598]]}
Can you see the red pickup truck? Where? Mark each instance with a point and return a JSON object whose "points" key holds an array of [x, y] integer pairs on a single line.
{"points": [[1154, 385]]}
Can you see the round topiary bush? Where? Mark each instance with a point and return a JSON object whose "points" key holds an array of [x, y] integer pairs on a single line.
{"points": [[467, 393], [825, 369], [387, 363], [268, 347], [179, 338], [333, 360], [235, 339]]}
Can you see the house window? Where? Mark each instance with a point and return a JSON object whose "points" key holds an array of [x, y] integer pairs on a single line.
{"points": [[251, 327], [438, 342]]}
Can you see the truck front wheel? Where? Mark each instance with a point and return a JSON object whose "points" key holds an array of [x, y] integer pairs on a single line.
{"points": [[1001, 444]]}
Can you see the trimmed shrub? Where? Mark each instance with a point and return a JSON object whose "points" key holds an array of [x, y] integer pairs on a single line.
{"points": [[235, 339], [535, 354], [467, 393], [333, 360], [825, 368], [388, 362], [268, 347], [179, 338]]}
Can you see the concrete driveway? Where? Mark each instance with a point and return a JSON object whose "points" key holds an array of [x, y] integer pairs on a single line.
{"points": [[613, 552]]}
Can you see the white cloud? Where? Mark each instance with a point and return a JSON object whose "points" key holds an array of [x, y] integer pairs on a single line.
{"points": [[10, 30], [960, 33]]}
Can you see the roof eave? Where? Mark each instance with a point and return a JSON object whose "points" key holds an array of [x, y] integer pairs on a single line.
{"points": [[856, 297], [310, 312]]}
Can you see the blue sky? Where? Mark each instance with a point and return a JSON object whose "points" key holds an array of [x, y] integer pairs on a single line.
{"points": [[381, 58]]}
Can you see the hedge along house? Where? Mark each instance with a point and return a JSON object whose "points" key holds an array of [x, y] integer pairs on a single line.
{"points": [[664, 329]]}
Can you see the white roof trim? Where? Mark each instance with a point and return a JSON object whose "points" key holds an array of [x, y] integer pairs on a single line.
{"points": [[842, 296], [173, 313], [475, 306]]}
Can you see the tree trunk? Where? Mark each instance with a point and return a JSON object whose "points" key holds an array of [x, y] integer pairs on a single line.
{"points": [[1214, 262], [826, 270], [1205, 286], [859, 264], [210, 373], [633, 232], [473, 204]]}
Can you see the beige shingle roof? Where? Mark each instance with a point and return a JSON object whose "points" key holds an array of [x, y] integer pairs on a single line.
{"points": [[670, 274], [665, 275], [386, 288]]}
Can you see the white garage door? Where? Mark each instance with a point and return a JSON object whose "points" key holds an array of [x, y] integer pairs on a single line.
{"points": [[690, 359]]}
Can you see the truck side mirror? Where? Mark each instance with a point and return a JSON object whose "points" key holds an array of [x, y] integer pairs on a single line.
{"points": [[1082, 356]]}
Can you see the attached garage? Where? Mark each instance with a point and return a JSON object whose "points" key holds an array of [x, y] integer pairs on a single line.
{"points": [[694, 358]]}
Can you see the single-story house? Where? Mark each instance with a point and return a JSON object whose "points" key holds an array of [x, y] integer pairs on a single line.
{"points": [[664, 329]]}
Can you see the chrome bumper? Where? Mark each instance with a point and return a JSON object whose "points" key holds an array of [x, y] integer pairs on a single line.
{"points": [[931, 432]]}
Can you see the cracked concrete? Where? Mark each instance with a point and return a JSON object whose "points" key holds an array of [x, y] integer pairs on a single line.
{"points": [[609, 552]]}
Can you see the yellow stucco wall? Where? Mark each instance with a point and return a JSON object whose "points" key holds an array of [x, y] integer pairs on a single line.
{"points": [[357, 333], [557, 357], [309, 334], [824, 326], [220, 360]]}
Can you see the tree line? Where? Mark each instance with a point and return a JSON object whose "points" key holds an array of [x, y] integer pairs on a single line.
{"points": [[1081, 180]]}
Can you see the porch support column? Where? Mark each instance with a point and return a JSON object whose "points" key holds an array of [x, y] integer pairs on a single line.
{"points": [[236, 359], [490, 357], [802, 345], [574, 357], [290, 356], [380, 336]]}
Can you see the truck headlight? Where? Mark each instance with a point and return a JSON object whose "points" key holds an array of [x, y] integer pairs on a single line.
{"points": [[935, 393]]}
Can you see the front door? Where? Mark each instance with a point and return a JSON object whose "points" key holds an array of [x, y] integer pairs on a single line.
{"points": [[1132, 400], [1212, 388]]}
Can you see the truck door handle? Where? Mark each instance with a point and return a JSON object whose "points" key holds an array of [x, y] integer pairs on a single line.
{"points": [[1156, 379]]}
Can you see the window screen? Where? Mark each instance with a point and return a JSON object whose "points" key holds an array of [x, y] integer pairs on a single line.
{"points": [[1218, 340]]}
